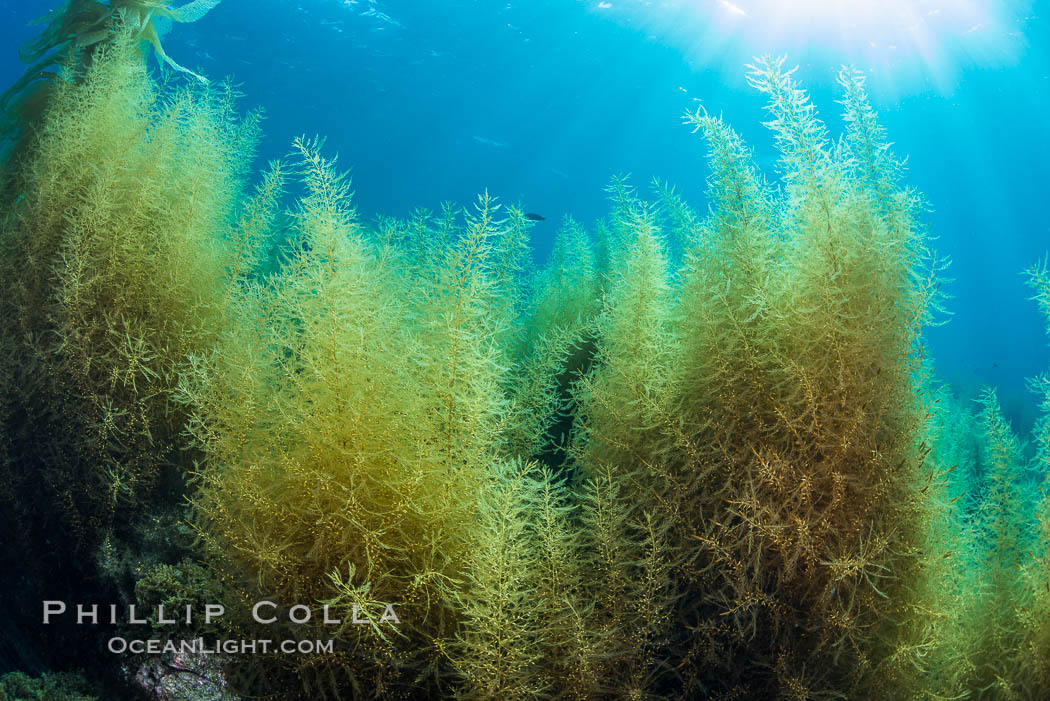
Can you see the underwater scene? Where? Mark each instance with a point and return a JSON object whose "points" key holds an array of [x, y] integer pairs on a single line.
{"points": [[524, 349]]}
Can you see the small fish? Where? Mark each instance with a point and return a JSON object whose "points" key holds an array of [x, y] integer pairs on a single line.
{"points": [[489, 142], [381, 16], [532, 216]]}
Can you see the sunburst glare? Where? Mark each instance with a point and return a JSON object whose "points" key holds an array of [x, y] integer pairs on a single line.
{"points": [[902, 44]]}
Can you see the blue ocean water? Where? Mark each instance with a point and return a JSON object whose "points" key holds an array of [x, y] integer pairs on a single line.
{"points": [[541, 101]]}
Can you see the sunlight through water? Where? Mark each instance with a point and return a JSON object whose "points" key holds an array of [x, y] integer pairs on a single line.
{"points": [[904, 45]]}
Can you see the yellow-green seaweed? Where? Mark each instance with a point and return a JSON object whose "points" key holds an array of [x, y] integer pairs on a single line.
{"points": [[688, 458]]}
